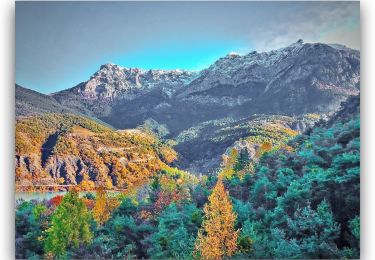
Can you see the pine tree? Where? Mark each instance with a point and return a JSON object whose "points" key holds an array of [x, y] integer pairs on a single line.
{"points": [[217, 237], [171, 240], [70, 226]]}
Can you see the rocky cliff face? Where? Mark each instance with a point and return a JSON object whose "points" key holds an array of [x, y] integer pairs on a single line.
{"points": [[112, 85], [113, 82]]}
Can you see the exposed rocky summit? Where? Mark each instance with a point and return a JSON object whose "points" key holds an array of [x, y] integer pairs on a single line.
{"points": [[112, 81], [113, 84], [300, 78]]}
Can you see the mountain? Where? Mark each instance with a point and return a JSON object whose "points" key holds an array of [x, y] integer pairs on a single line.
{"points": [[30, 102], [112, 84], [201, 147], [300, 78], [235, 92], [58, 149]]}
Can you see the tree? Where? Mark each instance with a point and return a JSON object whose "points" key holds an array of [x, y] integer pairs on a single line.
{"points": [[103, 206], [242, 161], [314, 233], [70, 226], [171, 239], [31, 219], [217, 237], [122, 236]]}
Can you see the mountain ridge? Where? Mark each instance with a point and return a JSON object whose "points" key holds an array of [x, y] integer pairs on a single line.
{"points": [[294, 81]]}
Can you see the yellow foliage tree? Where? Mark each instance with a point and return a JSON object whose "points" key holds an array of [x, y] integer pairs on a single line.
{"points": [[103, 206], [228, 162], [217, 238]]}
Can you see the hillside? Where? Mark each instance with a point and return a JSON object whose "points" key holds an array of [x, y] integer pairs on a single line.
{"points": [[201, 147], [300, 200], [57, 149], [304, 203], [29, 102]]}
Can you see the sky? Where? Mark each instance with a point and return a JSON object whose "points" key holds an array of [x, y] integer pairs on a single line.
{"points": [[60, 44]]}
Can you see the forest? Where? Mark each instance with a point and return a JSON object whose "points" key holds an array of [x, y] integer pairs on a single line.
{"points": [[298, 200]]}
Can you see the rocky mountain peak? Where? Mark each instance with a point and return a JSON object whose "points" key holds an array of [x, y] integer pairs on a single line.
{"points": [[112, 81], [291, 68]]}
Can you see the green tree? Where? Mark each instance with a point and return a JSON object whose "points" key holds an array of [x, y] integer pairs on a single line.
{"points": [[70, 226], [171, 239], [123, 234], [30, 222]]}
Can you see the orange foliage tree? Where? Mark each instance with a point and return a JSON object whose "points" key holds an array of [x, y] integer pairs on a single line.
{"points": [[217, 238], [103, 206], [264, 148], [55, 201]]}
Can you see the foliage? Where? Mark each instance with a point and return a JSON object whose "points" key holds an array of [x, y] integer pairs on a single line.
{"points": [[217, 238], [104, 205], [295, 200], [30, 219], [56, 149], [174, 237], [303, 204], [70, 226]]}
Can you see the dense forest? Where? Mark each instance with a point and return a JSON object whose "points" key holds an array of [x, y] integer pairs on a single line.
{"points": [[296, 200]]}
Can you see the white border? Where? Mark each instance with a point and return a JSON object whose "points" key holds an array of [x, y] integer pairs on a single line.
{"points": [[7, 16], [367, 129]]}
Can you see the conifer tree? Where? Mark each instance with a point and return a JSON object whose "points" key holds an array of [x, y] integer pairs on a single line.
{"points": [[70, 226], [217, 237]]}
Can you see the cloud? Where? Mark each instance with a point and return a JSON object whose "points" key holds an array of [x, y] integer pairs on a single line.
{"points": [[321, 22]]}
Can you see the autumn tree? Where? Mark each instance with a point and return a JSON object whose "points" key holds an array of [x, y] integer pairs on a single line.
{"points": [[103, 206], [228, 163], [70, 226], [263, 148], [217, 238]]}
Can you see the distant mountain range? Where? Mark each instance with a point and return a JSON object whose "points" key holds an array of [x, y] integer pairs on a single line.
{"points": [[206, 112]]}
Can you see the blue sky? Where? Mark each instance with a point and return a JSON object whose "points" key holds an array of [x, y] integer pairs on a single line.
{"points": [[60, 44]]}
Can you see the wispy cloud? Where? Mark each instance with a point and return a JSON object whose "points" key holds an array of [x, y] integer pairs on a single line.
{"points": [[321, 22]]}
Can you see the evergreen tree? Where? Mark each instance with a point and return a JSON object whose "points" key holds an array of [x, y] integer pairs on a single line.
{"points": [[172, 239], [30, 222], [70, 226]]}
